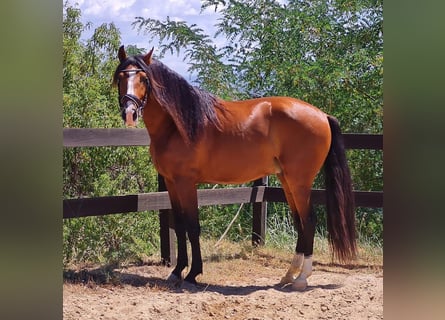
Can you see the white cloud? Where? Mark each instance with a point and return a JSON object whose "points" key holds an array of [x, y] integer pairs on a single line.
{"points": [[119, 10], [112, 7]]}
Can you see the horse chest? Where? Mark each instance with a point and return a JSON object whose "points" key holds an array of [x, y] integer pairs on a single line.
{"points": [[172, 158]]}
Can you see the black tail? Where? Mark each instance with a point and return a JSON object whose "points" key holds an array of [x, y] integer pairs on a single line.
{"points": [[340, 199]]}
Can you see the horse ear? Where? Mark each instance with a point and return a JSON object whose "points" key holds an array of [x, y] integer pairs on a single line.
{"points": [[122, 55], [148, 57]]}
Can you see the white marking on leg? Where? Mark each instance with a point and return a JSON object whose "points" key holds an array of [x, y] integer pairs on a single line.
{"points": [[300, 283], [306, 270], [294, 269]]}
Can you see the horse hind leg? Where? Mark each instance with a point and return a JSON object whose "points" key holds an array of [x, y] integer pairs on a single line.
{"points": [[305, 221], [297, 261], [305, 244]]}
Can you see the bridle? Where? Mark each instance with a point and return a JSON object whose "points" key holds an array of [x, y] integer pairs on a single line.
{"points": [[123, 100]]}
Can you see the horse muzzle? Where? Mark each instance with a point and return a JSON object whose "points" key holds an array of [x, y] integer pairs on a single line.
{"points": [[130, 108], [130, 116]]}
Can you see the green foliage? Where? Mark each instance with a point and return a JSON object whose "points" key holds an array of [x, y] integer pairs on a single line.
{"points": [[90, 101], [329, 53], [110, 239], [215, 219], [198, 48]]}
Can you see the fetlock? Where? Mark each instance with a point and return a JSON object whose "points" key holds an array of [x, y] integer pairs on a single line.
{"points": [[300, 283], [294, 269]]}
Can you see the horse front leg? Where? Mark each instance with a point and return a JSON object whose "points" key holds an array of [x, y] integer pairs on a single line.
{"points": [[181, 238], [180, 231], [188, 221], [194, 231], [191, 219]]}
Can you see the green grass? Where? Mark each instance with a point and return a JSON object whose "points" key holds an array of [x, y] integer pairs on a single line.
{"points": [[134, 238]]}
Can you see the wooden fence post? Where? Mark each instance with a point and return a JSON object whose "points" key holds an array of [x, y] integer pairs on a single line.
{"points": [[167, 230], [259, 216]]}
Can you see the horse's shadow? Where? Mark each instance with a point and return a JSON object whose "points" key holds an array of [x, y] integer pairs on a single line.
{"points": [[241, 290], [108, 276]]}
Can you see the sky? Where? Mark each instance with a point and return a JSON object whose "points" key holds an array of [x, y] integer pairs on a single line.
{"points": [[123, 12]]}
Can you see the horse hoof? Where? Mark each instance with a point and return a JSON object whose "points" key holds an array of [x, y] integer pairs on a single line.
{"points": [[287, 279], [299, 284], [190, 286], [172, 278]]}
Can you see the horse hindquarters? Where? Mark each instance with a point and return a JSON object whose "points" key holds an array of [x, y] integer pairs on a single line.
{"points": [[340, 212], [300, 166]]}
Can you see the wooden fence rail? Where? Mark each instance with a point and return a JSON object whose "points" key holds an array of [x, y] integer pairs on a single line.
{"points": [[93, 137], [259, 194]]}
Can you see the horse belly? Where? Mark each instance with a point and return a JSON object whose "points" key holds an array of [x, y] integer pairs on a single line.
{"points": [[236, 165]]}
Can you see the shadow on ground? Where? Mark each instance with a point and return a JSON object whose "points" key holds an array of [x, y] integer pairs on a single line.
{"points": [[109, 276]]}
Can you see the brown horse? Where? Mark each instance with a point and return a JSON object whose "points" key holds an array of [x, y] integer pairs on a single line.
{"points": [[199, 138]]}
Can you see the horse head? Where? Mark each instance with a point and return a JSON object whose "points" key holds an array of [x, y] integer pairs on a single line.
{"points": [[133, 83]]}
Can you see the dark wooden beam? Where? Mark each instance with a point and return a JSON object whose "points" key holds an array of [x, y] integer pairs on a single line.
{"points": [[166, 230], [74, 208], [259, 214], [363, 141]]}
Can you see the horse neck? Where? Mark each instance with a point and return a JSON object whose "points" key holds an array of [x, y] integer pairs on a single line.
{"points": [[158, 122]]}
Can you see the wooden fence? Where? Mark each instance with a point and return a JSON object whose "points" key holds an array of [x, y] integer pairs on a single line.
{"points": [[259, 194]]}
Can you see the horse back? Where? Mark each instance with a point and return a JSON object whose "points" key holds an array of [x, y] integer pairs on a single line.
{"points": [[257, 135], [269, 116]]}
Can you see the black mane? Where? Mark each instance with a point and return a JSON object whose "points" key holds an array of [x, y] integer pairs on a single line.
{"points": [[137, 61], [191, 108]]}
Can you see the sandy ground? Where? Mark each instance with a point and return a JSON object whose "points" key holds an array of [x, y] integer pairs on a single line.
{"points": [[236, 288]]}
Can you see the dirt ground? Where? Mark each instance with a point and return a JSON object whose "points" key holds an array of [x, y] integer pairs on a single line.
{"points": [[239, 287]]}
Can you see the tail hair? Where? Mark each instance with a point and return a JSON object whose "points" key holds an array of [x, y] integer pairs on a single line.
{"points": [[340, 198]]}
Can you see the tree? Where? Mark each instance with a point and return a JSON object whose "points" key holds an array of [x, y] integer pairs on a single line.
{"points": [[89, 100], [329, 53]]}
